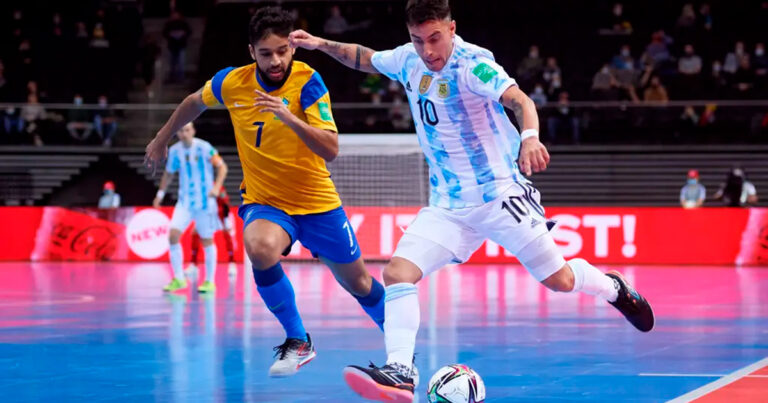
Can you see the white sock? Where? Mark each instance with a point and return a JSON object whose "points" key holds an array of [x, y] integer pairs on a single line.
{"points": [[177, 260], [210, 263], [590, 280], [401, 322]]}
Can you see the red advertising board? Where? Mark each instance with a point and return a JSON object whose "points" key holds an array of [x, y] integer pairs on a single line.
{"points": [[599, 234]]}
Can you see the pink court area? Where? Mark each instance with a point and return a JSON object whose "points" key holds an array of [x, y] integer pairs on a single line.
{"points": [[106, 331]]}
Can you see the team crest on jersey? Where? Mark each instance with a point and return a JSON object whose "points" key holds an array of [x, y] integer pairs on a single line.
{"points": [[426, 81], [443, 91]]}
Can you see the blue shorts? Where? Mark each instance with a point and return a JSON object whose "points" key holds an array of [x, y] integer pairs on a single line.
{"points": [[328, 234]]}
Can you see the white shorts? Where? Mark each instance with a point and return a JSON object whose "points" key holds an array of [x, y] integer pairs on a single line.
{"points": [[206, 222], [513, 220]]}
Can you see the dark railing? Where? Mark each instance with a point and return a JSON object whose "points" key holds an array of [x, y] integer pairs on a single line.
{"points": [[682, 122]]}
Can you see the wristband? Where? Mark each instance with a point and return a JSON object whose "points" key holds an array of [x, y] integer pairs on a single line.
{"points": [[160, 193], [529, 133]]}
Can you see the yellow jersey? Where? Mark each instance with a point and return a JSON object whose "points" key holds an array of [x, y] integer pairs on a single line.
{"points": [[279, 170]]}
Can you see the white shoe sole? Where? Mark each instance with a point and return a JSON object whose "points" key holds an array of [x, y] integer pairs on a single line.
{"points": [[301, 363]]}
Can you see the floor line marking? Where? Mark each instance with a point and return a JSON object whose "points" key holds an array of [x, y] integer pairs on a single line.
{"points": [[714, 385]]}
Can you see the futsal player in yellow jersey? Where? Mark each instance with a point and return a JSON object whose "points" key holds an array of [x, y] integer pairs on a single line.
{"points": [[285, 133]]}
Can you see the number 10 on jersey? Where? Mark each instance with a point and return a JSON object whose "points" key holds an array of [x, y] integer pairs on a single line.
{"points": [[427, 112]]}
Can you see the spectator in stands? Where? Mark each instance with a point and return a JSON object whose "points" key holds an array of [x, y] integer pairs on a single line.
{"points": [[623, 60], [99, 37], [733, 59], [604, 84], [705, 17], [104, 121], [760, 65], [686, 24], [79, 125], [689, 67], [336, 25], [176, 33], [657, 52], [620, 25], [717, 83], [656, 92], [531, 66], [551, 70], [538, 96], [744, 79], [690, 63], [563, 119], [33, 114], [109, 199], [555, 85], [737, 191], [692, 195], [687, 17]]}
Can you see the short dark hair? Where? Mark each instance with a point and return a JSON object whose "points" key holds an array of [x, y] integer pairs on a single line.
{"points": [[420, 11], [267, 21]]}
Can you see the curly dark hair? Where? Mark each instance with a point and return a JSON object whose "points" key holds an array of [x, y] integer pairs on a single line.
{"points": [[267, 21], [421, 11]]}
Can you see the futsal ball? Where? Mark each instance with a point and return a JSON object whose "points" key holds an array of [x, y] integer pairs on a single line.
{"points": [[456, 383]]}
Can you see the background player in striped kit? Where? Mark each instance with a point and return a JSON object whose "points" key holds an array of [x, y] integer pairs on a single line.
{"points": [[194, 159], [457, 94], [227, 227]]}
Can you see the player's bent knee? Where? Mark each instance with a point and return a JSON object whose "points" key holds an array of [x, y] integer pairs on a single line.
{"points": [[264, 252], [561, 281], [400, 270], [206, 242]]}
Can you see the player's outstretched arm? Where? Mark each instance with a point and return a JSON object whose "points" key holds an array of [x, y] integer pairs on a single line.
{"points": [[354, 56], [533, 155], [189, 109]]}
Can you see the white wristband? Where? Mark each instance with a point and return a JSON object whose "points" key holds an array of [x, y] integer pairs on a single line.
{"points": [[160, 193], [529, 133]]}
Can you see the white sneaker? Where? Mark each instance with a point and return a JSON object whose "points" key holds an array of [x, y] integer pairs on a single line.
{"points": [[290, 356]]}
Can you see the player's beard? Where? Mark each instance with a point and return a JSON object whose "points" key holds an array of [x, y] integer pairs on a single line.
{"points": [[277, 84]]}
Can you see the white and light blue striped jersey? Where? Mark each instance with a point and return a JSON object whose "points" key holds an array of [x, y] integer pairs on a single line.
{"points": [[469, 143], [195, 167]]}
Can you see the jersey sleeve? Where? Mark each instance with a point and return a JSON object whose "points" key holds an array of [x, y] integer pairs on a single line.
{"points": [[316, 104], [212, 90], [391, 62], [487, 78], [172, 165], [213, 155]]}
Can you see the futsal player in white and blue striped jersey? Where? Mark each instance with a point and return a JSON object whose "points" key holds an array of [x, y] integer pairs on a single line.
{"points": [[194, 160], [457, 94]]}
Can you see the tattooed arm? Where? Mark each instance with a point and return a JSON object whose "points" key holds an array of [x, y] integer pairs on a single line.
{"points": [[523, 108], [354, 56]]}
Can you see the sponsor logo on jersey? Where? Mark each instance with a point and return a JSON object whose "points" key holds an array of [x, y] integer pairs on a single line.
{"points": [[484, 72], [408, 86], [325, 111], [426, 81]]}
